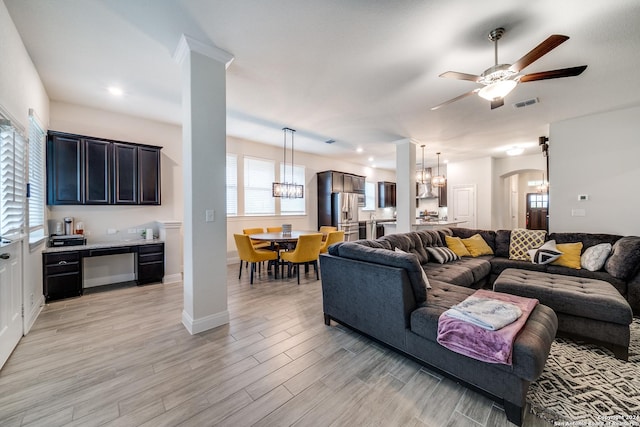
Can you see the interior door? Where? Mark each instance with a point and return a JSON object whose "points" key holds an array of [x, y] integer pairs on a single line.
{"points": [[10, 300], [464, 205]]}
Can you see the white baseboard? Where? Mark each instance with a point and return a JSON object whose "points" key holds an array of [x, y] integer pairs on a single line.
{"points": [[108, 280], [172, 278], [33, 315], [205, 323]]}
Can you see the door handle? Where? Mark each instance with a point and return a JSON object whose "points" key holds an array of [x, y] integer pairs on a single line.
{"points": [[5, 255]]}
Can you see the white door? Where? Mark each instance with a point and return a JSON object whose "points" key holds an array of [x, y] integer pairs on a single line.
{"points": [[464, 205], [10, 299]]}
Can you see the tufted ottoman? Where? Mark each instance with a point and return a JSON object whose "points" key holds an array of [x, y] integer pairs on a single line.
{"points": [[586, 308]]}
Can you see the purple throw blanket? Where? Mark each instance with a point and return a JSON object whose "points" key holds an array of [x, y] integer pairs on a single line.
{"points": [[483, 344]]}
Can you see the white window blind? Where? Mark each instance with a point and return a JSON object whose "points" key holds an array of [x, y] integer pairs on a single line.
{"points": [[232, 185], [369, 196], [12, 179], [292, 206], [259, 176], [36, 190]]}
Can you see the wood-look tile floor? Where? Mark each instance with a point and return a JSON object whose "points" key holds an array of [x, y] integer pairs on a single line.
{"points": [[121, 357]]}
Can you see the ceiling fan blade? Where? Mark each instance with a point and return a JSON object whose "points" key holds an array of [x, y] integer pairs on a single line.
{"points": [[537, 52], [464, 95], [497, 103], [460, 76], [554, 74]]}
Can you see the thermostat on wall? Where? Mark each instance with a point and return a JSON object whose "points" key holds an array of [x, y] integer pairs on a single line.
{"points": [[583, 197]]}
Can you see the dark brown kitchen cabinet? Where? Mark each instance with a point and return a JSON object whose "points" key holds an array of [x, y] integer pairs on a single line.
{"points": [[96, 171], [64, 170], [149, 173], [62, 275], [125, 162], [386, 194]]}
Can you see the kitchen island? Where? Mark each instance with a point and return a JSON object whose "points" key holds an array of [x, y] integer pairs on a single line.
{"points": [[390, 227]]}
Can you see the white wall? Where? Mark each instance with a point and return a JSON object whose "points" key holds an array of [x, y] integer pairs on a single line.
{"points": [[598, 156], [313, 164], [478, 172], [97, 219], [20, 90]]}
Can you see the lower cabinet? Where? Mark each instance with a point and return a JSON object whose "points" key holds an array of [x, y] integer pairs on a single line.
{"points": [[150, 263], [62, 275]]}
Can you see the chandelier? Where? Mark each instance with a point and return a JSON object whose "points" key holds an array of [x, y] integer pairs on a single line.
{"points": [[287, 189], [438, 180]]}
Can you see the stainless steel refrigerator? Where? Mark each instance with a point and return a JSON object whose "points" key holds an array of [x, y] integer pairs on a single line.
{"points": [[344, 214]]}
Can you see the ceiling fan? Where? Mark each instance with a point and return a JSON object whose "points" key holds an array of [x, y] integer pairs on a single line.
{"points": [[501, 79]]}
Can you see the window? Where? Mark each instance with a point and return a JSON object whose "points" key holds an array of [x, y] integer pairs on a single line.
{"points": [[12, 183], [232, 185], [292, 206], [370, 196], [35, 186], [259, 175]]}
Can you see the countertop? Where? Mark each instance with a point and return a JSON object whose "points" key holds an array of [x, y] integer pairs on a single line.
{"points": [[103, 245]]}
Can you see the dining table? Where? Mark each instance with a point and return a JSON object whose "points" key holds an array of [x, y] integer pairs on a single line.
{"points": [[280, 240]]}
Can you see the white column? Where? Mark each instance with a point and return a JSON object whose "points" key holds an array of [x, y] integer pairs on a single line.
{"points": [[405, 185], [169, 233], [204, 166]]}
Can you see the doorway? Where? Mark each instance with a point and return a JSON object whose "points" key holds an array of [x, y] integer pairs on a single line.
{"points": [[537, 211]]}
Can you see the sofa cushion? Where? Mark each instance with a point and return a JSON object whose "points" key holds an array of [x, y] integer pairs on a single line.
{"points": [[503, 237], [588, 239], [409, 262], [408, 242], [522, 241], [570, 255], [593, 258], [625, 258], [489, 236], [442, 254], [454, 272], [456, 245], [477, 246]]}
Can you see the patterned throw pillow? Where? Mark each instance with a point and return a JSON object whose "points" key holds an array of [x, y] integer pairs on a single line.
{"points": [[442, 254], [593, 258], [545, 254], [424, 275], [522, 241]]}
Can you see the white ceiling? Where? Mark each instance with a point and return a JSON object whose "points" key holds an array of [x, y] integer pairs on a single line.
{"points": [[360, 72]]}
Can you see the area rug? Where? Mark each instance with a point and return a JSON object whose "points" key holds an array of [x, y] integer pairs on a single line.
{"points": [[583, 384]]}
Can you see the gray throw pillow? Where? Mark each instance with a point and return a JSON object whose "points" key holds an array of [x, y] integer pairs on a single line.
{"points": [[593, 258]]}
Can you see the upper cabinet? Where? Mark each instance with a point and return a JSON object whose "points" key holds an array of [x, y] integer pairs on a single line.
{"points": [[94, 171]]}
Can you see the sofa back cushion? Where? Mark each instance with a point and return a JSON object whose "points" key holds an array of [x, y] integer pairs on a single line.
{"points": [[488, 236], [587, 239], [408, 261], [624, 261], [408, 242]]}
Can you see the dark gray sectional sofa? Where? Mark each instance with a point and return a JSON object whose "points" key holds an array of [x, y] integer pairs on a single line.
{"points": [[371, 288]]}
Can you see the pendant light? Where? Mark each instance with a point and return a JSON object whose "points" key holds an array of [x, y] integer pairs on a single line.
{"points": [[287, 189], [438, 180], [422, 175]]}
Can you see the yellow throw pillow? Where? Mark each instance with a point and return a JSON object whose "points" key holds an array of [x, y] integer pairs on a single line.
{"points": [[570, 255], [456, 245], [477, 246]]}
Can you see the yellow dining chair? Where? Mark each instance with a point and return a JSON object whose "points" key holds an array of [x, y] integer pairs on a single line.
{"points": [[332, 237], [274, 229], [248, 253], [326, 229], [307, 251]]}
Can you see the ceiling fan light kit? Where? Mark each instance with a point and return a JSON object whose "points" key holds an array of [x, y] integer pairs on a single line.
{"points": [[500, 79]]}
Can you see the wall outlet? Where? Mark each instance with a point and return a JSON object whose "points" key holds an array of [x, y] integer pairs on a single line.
{"points": [[111, 231]]}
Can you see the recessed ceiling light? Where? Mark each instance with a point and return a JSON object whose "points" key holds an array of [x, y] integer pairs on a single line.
{"points": [[115, 91], [515, 151], [359, 150]]}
